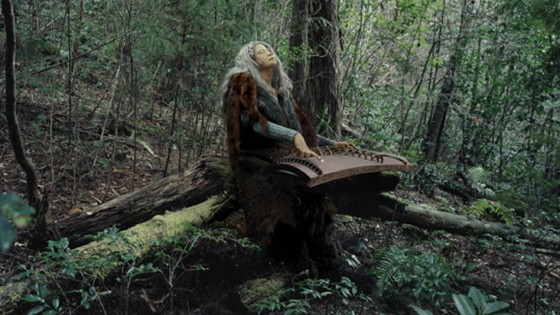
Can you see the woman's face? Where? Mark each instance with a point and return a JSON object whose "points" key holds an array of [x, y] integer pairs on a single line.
{"points": [[264, 57]]}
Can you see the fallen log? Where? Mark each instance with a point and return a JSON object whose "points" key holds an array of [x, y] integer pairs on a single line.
{"points": [[208, 178], [137, 243], [212, 176], [388, 208]]}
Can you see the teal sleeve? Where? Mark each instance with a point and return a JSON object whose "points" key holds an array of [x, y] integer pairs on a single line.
{"points": [[325, 141], [278, 132], [275, 131]]}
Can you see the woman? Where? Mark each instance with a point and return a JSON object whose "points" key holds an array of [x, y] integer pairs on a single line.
{"points": [[260, 110], [261, 114]]}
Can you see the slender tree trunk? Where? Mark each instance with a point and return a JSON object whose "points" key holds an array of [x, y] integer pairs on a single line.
{"points": [[436, 126], [466, 154], [432, 142], [42, 217], [298, 40]]}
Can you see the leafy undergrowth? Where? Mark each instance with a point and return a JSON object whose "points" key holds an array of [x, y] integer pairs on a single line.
{"points": [[387, 266], [388, 269]]}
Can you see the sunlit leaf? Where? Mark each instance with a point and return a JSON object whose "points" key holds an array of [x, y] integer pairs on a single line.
{"points": [[477, 297], [420, 311], [36, 310], [464, 306], [33, 299], [495, 307]]}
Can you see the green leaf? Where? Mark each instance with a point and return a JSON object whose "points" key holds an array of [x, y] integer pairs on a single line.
{"points": [[55, 303], [84, 297], [36, 310], [50, 312], [33, 298], [420, 311], [41, 290], [477, 297], [146, 146], [64, 243], [21, 209], [13, 206], [7, 234], [8, 199], [495, 307], [464, 306], [22, 221]]}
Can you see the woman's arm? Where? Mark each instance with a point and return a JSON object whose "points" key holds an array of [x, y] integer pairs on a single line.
{"points": [[281, 133], [325, 142], [275, 131]]}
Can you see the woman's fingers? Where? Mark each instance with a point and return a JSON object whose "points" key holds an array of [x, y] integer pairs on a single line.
{"points": [[344, 144], [308, 154], [302, 148]]}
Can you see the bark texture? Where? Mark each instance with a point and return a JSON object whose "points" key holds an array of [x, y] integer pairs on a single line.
{"points": [[317, 82], [42, 221], [208, 178], [388, 208]]}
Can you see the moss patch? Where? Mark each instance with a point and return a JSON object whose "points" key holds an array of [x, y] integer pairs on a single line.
{"points": [[140, 239], [259, 290]]}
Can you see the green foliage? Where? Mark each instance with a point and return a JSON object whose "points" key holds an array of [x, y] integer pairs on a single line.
{"points": [[479, 178], [12, 210], [420, 311], [66, 280], [59, 266], [491, 210], [40, 296], [432, 175], [476, 303], [307, 292], [426, 278], [161, 53]]}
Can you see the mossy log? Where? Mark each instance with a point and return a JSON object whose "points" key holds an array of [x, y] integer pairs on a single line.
{"points": [[138, 242], [388, 208], [209, 177]]}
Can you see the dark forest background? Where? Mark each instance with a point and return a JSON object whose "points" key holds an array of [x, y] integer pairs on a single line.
{"points": [[113, 95]]}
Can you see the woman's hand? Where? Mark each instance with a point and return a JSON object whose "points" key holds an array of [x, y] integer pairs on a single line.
{"points": [[344, 144], [303, 149]]}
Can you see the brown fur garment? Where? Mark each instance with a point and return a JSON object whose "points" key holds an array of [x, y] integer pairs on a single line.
{"points": [[242, 96]]}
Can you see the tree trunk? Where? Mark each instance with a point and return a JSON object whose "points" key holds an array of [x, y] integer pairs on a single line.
{"points": [[298, 40], [320, 91], [208, 178], [432, 142], [41, 230]]}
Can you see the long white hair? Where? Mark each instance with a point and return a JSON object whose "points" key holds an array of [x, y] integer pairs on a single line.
{"points": [[245, 62]]}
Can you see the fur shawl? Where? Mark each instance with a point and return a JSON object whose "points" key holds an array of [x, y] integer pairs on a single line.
{"points": [[245, 97]]}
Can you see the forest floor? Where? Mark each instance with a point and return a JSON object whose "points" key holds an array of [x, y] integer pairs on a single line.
{"points": [[216, 267]]}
